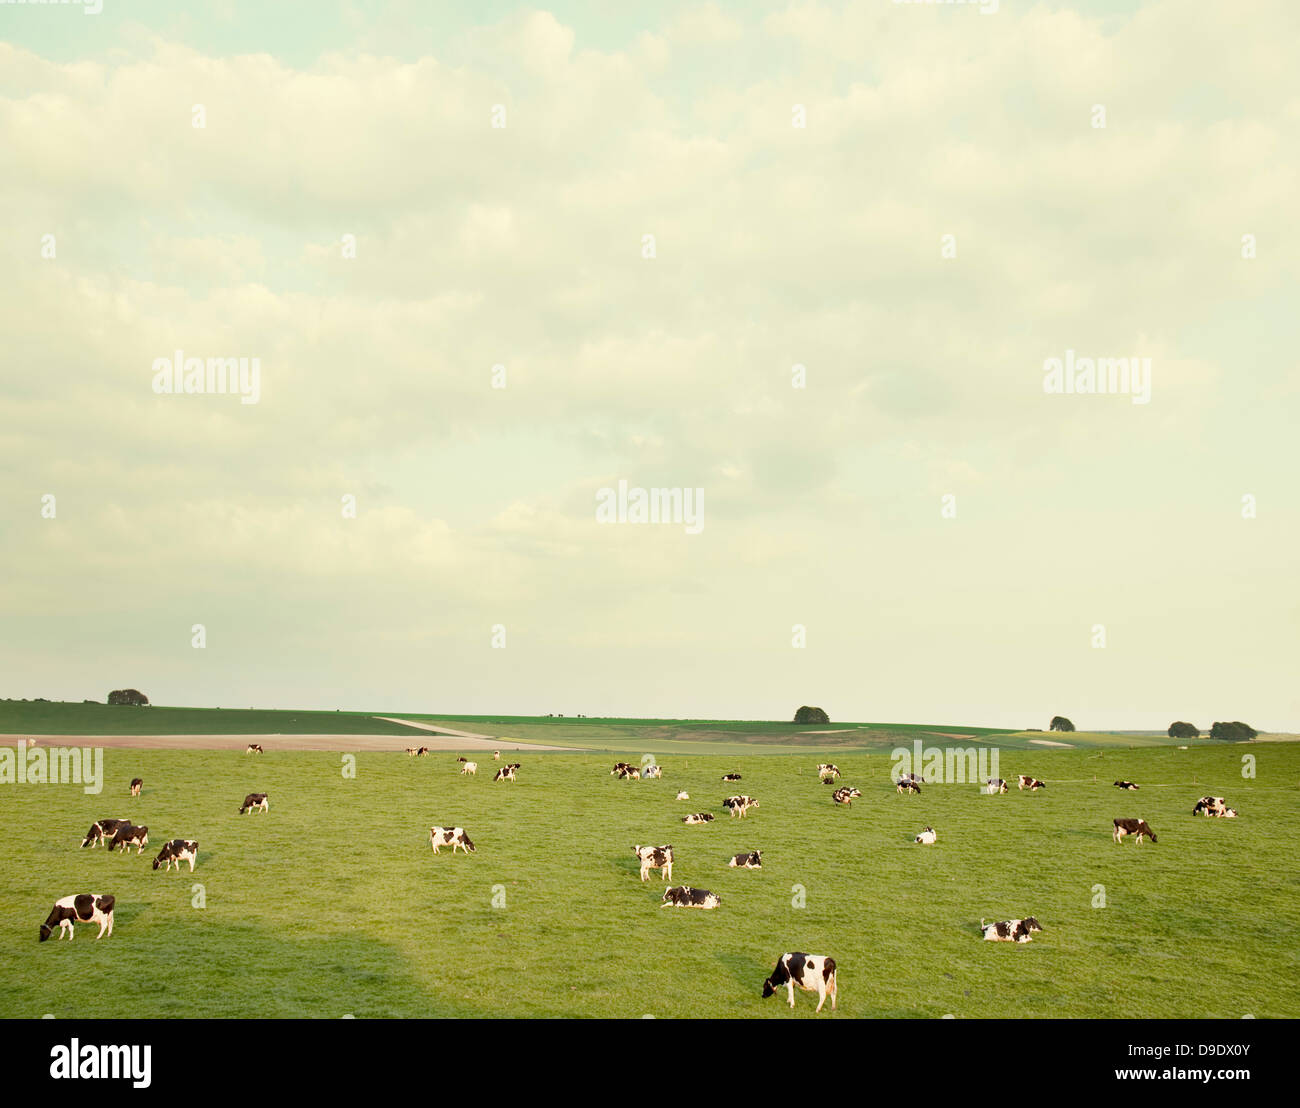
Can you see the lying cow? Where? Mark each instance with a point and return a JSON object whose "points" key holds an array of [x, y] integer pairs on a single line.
{"points": [[927, 837], [739, 805], [254, 748], [255, 800], [731, 777], [80, 908], [454, 837], [1030, 783], [845, 795], [1125, 785], [698, 817], [752, 860], [683, 896], [506, 773], [655, 857], [137, 783], [827, 771], [996, 785], [1011, 930], [908, 785], [471, 768], [177, 851], [129, 836], [102, 831], [683, 795], [1136, 827], [813, 973], [1214, 806]]}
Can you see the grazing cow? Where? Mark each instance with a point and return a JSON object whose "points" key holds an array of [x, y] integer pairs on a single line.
{"points": [[137, 784], [845, 795], [450, 836], [1030, 783], [813, 973], [1125, 785], [254, 748], [505, 773], [908, 785], [655, 857], [653, 771], [412, 751], [996, 785], [927, 837], [731, 777], [739, 805], [827, 771], [471, 768], [254, 800], [629, 773], [683, 896], [1011, 930], [1136, 827], [752, 860], [683, 795], [1214, 806], [620, 768], [462, 758], [912, 777], [178, 851], [129, 836], [102, 831], [80, 908], [698, 817], [422, 751]]}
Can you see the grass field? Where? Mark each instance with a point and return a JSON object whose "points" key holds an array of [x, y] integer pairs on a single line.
{"points": [[332, 903]]}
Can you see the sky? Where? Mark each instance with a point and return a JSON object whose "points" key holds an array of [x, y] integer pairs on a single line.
{"points": [[816, 260]]}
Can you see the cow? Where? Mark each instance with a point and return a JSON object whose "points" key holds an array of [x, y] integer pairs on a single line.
{"points": [[845, 795], [653, 771], [496, 755], [1125, 785], [731, 777], [905, 778], [254, 800], [128, 836], [506, 773], [1136, 827], [996, 785], [462, 758], [698, 817], [450, 836], [813, 973], [1214, 806], [471, 768], [739, 805], [412, 751], [178, 851], [683, 896], [629, 773], [827, 771], [137, 783], [422, 751], [1010, 931], [655, 857], [254, 748], [683, 795], [80, 908], [1025, 781], [620, 768], [908, 785], [752, 860], [102, 831], [927, 837]]}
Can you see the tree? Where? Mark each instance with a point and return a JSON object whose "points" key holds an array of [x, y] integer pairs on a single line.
{"points": [[1233, 732], [1060, 723], [127, 696], [811, 715], [1182, 730]]}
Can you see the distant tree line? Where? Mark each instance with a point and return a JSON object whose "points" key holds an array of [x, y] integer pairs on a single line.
{"points": [[127, 696]]}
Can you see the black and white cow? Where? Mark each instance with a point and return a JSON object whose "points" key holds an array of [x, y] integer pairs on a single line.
{"points": [[1025, 781], [739, 805], [1125, 785], [256, 801], [813, 973], [506, 773], [845, 795], [629, 773], [655, 857], [908, 785], [254, 748], [698, 817], [1011, 930], [620, 768], [137, 783], [1136, 827], [683, 896], [996, 785], [827, 772], [422, 751], [102, 831], [752, 860], [177, 851], [652, 770], [129, 836], [912, 777], [927, 837], [80, 908], [731, 777], [1214, 806], [454, 837]]}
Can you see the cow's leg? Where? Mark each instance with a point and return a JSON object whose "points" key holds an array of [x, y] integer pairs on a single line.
{"points": [[834, 988], [821, 993], [103, 922], [192, 856], [789, 987]]}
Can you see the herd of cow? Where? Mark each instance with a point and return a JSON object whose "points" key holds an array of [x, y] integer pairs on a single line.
{"points": [[809, 972]]}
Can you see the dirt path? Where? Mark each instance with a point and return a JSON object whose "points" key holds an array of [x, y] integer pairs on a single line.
{"points": [[436, 739]]}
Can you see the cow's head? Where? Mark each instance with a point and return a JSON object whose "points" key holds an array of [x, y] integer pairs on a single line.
{"points": [[45, 931], [1031, 924], [465, 839]]}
